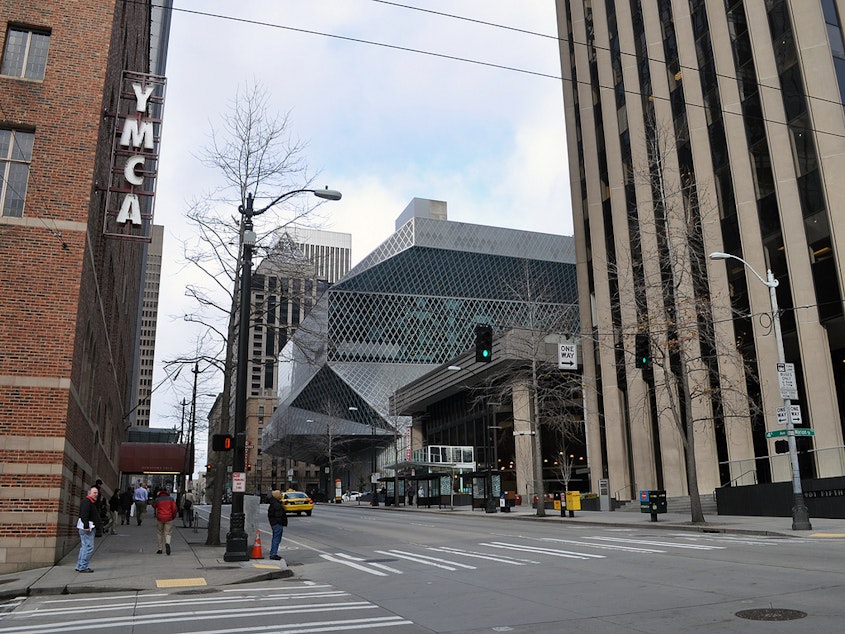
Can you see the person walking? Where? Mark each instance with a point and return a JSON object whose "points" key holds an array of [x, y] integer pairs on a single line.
{"points": [[114, 509], [166, 511], [187, 509], [140, 497], [278, 519], [126, 506], [89, 519]]}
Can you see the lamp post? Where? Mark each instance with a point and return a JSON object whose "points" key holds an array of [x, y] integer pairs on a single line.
{"points": [[800, 515], [236, 538]]}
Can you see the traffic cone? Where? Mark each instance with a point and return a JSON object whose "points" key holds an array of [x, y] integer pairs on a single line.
{"points": [[256, 547]]}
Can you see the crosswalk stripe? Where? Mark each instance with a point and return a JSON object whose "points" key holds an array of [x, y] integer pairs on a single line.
{"points": [[370, 563], [501, 559], [629, 549], [546, 551], [352, 564], [653, 543], [423, 559]]}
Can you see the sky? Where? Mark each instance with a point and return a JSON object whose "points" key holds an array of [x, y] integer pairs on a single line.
{"points": [[383, 123]]}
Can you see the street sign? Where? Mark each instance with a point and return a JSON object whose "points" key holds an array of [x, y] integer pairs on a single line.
{"points": [[795, 412], [787, 382], [239, 482], [567, 356], [777, 433]]}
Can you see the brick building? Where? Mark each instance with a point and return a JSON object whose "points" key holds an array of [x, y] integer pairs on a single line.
{"points": [[68, 293]]}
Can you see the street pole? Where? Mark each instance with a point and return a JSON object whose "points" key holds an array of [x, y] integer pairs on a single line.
{"points": [[373, 476], [236, 539], [800, 514]]}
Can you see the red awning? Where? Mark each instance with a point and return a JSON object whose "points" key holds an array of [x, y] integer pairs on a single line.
{"points": [[150, 457]]}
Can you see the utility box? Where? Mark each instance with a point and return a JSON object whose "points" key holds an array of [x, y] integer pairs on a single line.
{"points": [[653, 502], [573, 502]]}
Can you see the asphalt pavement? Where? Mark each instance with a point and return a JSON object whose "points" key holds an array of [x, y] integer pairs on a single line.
{"points": [[128, 562]]}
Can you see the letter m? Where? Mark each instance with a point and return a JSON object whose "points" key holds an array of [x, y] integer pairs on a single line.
{"points": [[135, 135]]}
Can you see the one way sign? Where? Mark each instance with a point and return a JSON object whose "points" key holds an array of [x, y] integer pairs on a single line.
{"points": [[567, 356]]}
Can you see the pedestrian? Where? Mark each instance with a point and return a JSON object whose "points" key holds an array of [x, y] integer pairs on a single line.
{"points": [[278, 520], [126, 506], [86, 524], [102, 509], [114, 509], [420, 494], [187, 509], [166, 511], [410, 495], [140, 498]]}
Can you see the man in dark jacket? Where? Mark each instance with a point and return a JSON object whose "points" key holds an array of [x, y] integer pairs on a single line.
{"points": [[89, 520], [278, 520]]}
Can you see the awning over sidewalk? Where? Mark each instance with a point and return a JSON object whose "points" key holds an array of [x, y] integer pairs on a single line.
{"points": [[150, 457]]}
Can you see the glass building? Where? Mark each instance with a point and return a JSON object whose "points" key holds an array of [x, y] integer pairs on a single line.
{"points": [[408, 307]]}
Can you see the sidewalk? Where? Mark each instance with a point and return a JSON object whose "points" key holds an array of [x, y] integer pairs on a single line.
{"points": [[127, 562]]}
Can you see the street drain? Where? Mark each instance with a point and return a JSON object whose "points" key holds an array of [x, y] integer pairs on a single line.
{"points": [[771, 614]]}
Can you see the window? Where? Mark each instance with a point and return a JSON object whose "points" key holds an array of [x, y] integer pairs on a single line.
{"points": [[15, 156], [25, 53]]}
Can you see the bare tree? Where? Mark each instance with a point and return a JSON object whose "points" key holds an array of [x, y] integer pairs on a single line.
{"points": [[674, 309], [254, 154]]}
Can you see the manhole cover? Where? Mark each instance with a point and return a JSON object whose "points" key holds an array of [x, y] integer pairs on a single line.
{"points": [[771, 614], [198, 591]]}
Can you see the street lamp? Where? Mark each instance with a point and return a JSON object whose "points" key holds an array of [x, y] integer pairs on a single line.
{"points": [[236, 538], [800, 515]]}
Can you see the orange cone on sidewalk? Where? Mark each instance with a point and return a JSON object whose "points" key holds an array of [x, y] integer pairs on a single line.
{"points": [[256, 547]]}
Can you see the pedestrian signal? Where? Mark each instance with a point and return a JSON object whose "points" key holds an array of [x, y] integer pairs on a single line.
{"points": [[221, 442]]}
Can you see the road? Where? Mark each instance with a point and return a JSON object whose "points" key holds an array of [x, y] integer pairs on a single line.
{"points": [[368, 570]]}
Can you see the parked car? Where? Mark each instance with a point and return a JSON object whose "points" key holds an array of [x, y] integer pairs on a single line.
{"points": [[297, 502], [351, 496]]}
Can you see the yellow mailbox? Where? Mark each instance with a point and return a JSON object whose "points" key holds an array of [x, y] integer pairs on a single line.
{"points": [[573, 500]]}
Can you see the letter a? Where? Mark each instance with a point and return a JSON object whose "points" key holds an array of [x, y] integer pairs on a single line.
{"points": [[130, 210]]}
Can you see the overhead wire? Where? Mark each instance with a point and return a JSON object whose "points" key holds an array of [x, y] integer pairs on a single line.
{"points": [[558, 39]]}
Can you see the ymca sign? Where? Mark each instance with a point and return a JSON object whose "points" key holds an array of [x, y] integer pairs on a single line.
{"points": [[134, 157]]}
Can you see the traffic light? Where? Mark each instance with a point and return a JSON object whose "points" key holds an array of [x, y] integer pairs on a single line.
{"points": [[221, 442], [642, 350], [483, 343], [249, 466], [209, 467]]}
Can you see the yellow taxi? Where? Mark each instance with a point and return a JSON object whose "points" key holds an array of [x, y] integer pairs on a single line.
{"points": [[297, 502]]}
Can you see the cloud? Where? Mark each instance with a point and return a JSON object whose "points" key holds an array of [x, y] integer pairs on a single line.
{"points": [[383, 125]]}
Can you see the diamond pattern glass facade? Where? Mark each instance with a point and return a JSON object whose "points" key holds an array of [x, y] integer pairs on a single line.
{"points": [[411, 305]]}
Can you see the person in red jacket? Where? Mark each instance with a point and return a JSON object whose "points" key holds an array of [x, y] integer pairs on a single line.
{"points": [[166, 511]]}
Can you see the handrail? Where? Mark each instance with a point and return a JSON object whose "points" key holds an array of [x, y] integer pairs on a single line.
{"points": [[729, 482], [613, 495]]}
